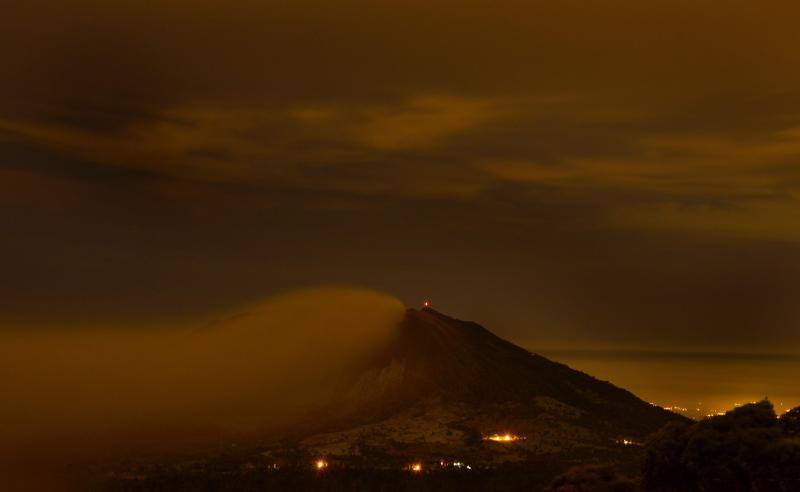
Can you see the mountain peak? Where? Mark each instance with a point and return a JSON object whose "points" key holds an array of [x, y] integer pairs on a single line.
{"points": [[437, 356], [455, 379]]}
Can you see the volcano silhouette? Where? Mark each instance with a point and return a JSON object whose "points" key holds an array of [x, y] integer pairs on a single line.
{"points": [[444, 385]]}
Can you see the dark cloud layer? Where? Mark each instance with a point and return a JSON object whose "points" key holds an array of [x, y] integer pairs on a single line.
{"points": [[607, 172]]}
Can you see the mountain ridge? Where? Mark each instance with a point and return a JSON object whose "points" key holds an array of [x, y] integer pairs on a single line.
{"points": [[444, 385]]}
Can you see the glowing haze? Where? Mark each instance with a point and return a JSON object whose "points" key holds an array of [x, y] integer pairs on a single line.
{"points": [[86, 394]]}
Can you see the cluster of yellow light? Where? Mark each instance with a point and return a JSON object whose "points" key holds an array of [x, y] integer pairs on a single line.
{"points": [[454, 464], [415, 467], [503, 438]]}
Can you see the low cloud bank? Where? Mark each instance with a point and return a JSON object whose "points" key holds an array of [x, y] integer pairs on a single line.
{"points": [[86, 395]]}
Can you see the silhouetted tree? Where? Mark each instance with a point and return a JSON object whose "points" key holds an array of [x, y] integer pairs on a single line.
{"points": [[790, 422], [747, 449]]}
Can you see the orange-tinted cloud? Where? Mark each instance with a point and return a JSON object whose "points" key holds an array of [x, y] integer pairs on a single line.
{"points": [[194, 156]]}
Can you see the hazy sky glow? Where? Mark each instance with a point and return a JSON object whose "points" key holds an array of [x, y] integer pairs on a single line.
{"points": [[570, 174]]}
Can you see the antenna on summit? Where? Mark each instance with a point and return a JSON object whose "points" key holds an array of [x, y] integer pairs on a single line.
{"points": [[426, 304]]}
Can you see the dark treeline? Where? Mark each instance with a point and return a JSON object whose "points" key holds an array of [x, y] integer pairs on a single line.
{"points": [[747, 449]]}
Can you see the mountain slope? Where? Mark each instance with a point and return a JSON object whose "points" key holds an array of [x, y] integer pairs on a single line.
{"points": [[444, 384]]}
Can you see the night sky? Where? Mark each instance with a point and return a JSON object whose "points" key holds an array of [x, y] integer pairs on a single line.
{"points": [[573, 175]]}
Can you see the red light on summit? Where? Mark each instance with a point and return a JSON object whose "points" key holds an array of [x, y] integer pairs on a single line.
{"points": [[426, 304]]}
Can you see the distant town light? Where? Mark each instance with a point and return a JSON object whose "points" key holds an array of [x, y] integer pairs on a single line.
{"points": [[320, 464], [415, 467], [503, 437]]}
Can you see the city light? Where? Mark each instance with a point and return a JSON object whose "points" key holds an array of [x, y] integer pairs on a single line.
{"points": [[503, 438]]}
